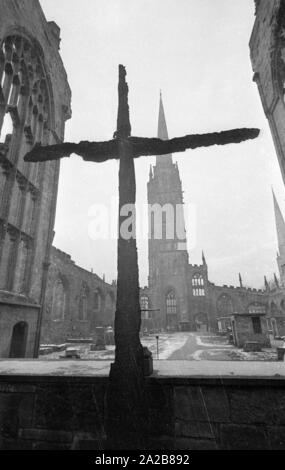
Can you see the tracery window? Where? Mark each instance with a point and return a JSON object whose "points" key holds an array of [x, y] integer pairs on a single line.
{"points": [[144, 302], [58, 300], [97, 300], [24, 121], [198, 285], [83, 302], [171, 303]]}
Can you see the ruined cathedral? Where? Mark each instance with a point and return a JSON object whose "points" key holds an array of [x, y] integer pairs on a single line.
{"points": [[44, 296], [180, 295]]}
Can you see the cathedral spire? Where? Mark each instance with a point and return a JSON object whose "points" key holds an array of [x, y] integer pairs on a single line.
{"points": [[266, 285], [280, 227], [240, 280], [276, 281], [203, 258], [162, 133]]}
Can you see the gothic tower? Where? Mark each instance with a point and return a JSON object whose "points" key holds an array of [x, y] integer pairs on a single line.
{"points": [[34, 105], [168, 257], [280, 228]]}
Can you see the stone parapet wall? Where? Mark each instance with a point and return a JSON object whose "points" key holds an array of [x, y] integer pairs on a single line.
{"points": [[185, 413]]}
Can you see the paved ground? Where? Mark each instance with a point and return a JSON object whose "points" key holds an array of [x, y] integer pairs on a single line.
{"points": [[180, 346], [211, 347]]}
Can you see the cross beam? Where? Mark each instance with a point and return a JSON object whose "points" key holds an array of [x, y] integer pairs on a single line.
{"points": [[126, 396]]}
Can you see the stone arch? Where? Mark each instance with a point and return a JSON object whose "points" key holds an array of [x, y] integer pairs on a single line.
{"points": [[109, 300], [99, 298], [225, 305], [171, 302], [59, 298], [19, 337], [201, 321], [21, 33], [171, 308], [144, 302], [27, 97], [83, 302]]}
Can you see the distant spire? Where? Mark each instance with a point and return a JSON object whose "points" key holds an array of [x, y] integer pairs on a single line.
{"points": [[266, 285], [240, 280], [162, 133], [280, 227], [276, 280], [150, 172], [203, 258]]}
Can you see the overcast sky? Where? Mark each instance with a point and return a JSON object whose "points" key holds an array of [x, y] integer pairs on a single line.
{"points": [[197, 52]]}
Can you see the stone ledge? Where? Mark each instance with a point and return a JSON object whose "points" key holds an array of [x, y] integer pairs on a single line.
{"points": [[172, 372]]}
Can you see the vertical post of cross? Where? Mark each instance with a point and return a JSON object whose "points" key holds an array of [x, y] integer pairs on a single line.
{"points": [[126, 404]]}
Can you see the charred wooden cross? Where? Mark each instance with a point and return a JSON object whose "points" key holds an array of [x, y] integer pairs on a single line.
{"points": [[126, 397]]}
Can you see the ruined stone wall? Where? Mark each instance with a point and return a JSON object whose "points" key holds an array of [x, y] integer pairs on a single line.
{"points": [[267, 57], [34, 105], [184, 413], [76, 301]]}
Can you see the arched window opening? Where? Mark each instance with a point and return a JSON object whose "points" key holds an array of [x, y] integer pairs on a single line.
{"points": [[83, 302], [7, 128], [109, 301], [171, 304], [225, 305], [198, 285], [25, 115], [144, 302], [58, 301], [19, 340], [97, 300]]}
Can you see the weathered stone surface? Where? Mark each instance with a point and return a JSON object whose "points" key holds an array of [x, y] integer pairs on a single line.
{"points": [[276, 436], [161, 422], [161, 410], [89, 444], [161, 443], [189, 404], [88, 441], [257, 406], [16, 388], [195, 444], [65, 414], [160, 397], [241, 437], [15, 444], [193, 429], [9, 414], [45, 435], [26, 410], [58, 407], [217, 403], [50, 446]]}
